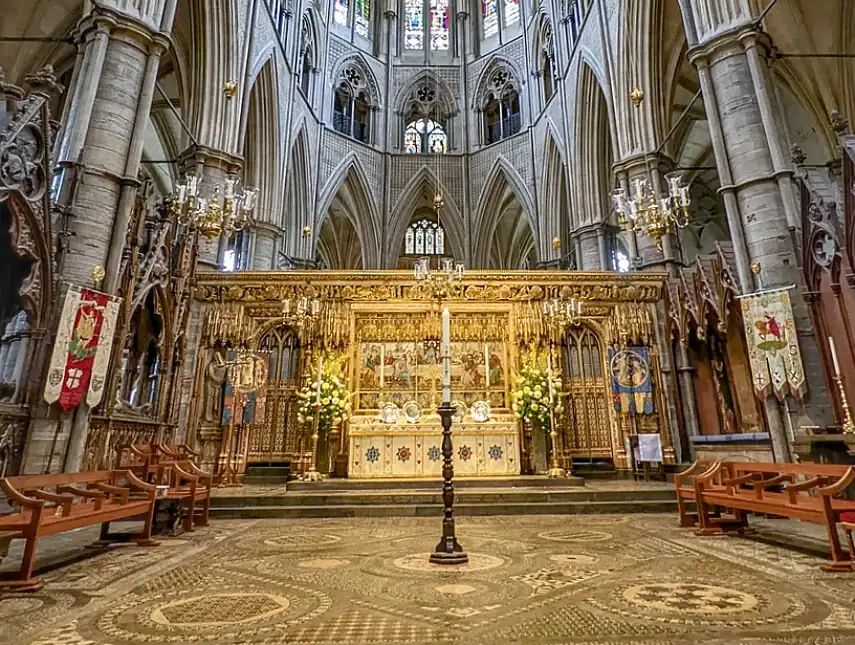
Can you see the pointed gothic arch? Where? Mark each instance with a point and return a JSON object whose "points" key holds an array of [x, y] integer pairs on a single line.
{"points": [[350, 186], [450, 214], [554, 203], [503, 197], [296, 213]]}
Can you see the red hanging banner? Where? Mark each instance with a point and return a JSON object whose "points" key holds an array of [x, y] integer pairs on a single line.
{"points": [[82, 348]]}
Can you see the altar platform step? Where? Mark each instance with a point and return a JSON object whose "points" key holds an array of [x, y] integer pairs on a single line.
{"points": [[428, 503], [434, 483]]}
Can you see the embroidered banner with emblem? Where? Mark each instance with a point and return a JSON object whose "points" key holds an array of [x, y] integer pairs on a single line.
{"points": [[247, 377], [773, 345], [632, 387], [81, 337]]}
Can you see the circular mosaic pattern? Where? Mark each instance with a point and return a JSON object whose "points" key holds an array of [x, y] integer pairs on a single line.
{"points": [[575, 536], [301, 540], [16, 606], [421, 562], [679, 597], [574, 559], [322, 563]]}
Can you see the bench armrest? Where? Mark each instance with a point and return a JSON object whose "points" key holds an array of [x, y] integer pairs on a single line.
{"points": [[694, 469], [136, 482], [183, 475], [703, 478], [192, 468], [98, 496], [793, 489], [840, 485], [118, 491], [743, 479], [763, 484], [65, 501], [18, 497]]}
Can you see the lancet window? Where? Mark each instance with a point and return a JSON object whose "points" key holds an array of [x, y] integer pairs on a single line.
{"points": [[307, 52], [497, 15], [436, 29], [424, 121], [546, 58], [141, 361], [501, 107], [424, 237], [236, 257], [355, 14], [281, 348]]}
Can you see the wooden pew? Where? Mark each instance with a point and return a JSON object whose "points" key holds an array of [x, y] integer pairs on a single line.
{"points": [[807, 492], [684, 483], [102, 501]]}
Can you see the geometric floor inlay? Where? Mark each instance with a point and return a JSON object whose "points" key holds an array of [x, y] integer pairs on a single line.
{"points": [[530, 580]]}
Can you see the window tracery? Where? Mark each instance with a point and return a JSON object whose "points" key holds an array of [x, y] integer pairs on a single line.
{"points": [[425, 121], [352, 103], [501, 106], [424, 237], [546, 59], [307, 64], [355, 14]]}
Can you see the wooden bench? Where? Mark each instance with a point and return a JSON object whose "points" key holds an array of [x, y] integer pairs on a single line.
{"points": [[684, 483], [807, 492], [67, 506], [171, 465]]}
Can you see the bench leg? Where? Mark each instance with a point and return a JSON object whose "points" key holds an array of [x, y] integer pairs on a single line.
{"points": [[206, 509], [838, 563], [189, 506], [144, 538], [23, 580]]}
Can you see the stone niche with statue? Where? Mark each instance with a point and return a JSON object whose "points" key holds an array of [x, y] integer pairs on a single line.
{"points": [[381, 329]]}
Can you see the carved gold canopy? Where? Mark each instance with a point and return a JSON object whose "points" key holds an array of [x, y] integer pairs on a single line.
{"points": [[259, 287]]}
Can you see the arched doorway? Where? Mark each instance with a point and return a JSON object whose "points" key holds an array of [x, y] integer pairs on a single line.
{"points": [[274, 438], [585, 419]]}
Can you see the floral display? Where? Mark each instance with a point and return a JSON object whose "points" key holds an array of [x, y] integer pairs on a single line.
{"points": [[530, 396], [335, 403]]}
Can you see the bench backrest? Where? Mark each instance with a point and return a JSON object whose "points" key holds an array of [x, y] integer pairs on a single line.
{"points": [[738, 469], [29, 482]]}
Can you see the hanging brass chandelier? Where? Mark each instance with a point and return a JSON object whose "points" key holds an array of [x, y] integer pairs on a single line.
{"points": [[643, 211], [225, 212]]}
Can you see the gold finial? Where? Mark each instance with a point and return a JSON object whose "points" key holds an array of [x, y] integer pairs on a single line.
{"points": [[230, 89], [637, 96], [98, 274], [556, 243], [755, 268], [307, 231]]}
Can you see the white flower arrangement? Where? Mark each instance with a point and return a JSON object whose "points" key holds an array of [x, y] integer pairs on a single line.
{"points": [[334, 399], [530, 399]]}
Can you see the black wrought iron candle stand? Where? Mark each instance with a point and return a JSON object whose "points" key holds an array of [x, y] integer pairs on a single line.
{"points": [[448, 551]]}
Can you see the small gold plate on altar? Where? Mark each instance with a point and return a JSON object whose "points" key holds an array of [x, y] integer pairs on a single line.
{"points": [[459, 411], [412, 411], [480, 411], [389, 413]]}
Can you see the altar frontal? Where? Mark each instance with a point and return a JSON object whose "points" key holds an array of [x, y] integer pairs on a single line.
{"points": [[355, 372]]}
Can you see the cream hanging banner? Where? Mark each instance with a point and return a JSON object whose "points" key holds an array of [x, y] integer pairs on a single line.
{"points": [[773, 345]]}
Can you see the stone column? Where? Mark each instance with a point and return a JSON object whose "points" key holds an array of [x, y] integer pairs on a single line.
{"points": [[755, 181], [588, 249], [122, 43], [263, 257]]}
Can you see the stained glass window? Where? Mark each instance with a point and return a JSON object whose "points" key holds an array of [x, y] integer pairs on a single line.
{"points": [[425, 135], [424, 237], [341, 11], [512, 11], [490, 15], [362, 16], [414, 27], [439, 23]]}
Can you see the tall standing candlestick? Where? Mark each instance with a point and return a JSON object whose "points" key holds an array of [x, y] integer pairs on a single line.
{"points": [[446, 356], [487, 365], [382, 366], [320, 375]]}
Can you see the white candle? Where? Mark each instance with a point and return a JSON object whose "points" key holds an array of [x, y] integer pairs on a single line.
{"points": [[446, 356], [834, 356], [487, 364], [320, 374]]}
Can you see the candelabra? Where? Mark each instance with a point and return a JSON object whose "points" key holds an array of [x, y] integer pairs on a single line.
{"points": [[643, 211], [563, 313], [300, 311], [438, 283], [225, 212]]}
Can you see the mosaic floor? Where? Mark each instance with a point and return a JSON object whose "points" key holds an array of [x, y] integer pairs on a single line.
{"points": [[531, 580]]}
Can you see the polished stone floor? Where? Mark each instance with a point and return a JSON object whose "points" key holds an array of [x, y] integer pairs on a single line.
{"points": [[531, 580]]}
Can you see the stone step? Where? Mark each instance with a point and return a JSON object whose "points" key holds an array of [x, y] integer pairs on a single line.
{"points": [[435, 510], [434, 496], [460, 483]]}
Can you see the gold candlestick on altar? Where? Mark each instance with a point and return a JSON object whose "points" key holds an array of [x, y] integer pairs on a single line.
{"points": [[312, 474], [555, 470], [848, 423]]}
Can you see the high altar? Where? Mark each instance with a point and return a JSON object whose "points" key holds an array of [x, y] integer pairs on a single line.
{"points": [[380, 330]]}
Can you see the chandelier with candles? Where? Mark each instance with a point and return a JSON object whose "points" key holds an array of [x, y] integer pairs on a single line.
{"points": [[225, 212], [563, 313], [643, 211]]}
